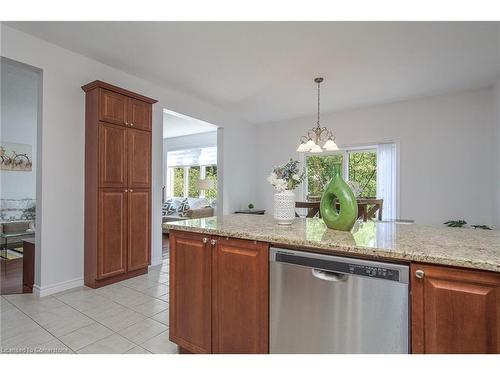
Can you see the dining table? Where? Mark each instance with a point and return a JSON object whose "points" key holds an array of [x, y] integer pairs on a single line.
{"points": [[368, 208]]}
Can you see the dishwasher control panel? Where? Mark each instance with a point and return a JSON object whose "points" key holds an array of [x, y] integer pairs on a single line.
{"points": [[329, 263], [371, 271]]}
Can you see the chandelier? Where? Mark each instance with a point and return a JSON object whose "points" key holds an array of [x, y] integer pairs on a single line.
{"points": [[311, 141]]}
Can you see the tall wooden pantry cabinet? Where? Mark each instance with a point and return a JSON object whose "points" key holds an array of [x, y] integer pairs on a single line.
{"points": [[117, 184]]}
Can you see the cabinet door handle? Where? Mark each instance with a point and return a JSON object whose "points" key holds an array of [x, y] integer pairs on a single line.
{"points": [[131, 124], [126, 190], [126, 123], [205, 239], [419, 274], [131, 191], [213, 242]]}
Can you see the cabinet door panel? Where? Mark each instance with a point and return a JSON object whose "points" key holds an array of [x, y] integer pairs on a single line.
{"points": [[240, 297], [139, 158], [112, 156], [112, 107], [139, 114], [190, 292], [112, 238], [455, 310], [139, 228]]}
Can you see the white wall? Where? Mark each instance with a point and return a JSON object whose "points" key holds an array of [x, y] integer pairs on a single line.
{"points": [[190, 141], [497, 147], [19, 106], [446, 150], [62, 159]]}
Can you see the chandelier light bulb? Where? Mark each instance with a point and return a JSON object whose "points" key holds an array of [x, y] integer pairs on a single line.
{"points": [[330, 145], [316, 149], [310, 143], [302, 148]]}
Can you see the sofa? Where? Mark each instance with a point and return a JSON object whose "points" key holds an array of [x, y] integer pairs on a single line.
{"points": [[17, 216], [176, 208]]}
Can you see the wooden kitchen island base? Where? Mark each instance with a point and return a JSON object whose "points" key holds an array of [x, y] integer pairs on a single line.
{"points": [[219, 285], [219, 294]]}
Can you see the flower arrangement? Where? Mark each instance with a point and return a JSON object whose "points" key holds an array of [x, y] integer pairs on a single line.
{"points": [[287, 176]]}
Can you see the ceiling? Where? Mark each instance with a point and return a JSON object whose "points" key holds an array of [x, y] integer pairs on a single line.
{"points": [[177, 125], [263, 71]]}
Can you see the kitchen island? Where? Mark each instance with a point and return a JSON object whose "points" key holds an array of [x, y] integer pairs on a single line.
{"points": [[219, 287]]}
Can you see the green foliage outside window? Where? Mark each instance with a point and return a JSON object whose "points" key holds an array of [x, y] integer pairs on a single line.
{"points": [[211, 173], [194, 176], [178, 182], [319, 172], [362, 169]]}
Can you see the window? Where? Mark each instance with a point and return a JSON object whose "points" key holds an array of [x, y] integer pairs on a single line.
{"points": [[186, 167], [373, 168], [211, 174], [362, 167], [177, 181], [194, 176], [319, 172], [358, 166]]}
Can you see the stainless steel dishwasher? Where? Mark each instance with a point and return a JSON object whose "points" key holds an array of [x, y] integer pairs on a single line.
{"points": [[330, 304]]}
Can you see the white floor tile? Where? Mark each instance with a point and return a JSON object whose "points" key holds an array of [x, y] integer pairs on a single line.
{"points": [[160, 344], [84, 336], [138, 350], [83, 300], [86, 320], [113, 290], [27, 337], [53, 347], [162, 317], [156, 291], [133, 298], [44, 305], [165, 298], [143, 331], [151, 308], [61, 320], [114, 344], [118, 319]]}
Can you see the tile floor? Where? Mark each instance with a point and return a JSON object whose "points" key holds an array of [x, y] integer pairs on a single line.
{"points": [[126, 317]]}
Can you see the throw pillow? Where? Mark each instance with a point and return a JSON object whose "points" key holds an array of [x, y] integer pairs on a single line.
{"points": [[168, 207], [183, 208]]}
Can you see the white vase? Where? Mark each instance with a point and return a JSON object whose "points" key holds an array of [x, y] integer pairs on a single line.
{"points": [[284, 207]]}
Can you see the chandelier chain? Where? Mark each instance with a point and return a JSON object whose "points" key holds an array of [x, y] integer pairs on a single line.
{"points": [[318, 103]]}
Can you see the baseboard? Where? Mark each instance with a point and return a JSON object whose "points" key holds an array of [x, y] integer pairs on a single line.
{"points": [[47, 290]]}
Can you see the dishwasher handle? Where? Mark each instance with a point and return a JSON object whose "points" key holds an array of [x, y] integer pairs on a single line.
{"points": [[329, 275]]}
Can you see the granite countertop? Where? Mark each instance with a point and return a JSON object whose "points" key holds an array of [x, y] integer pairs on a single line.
{"points": [[471, 248]]}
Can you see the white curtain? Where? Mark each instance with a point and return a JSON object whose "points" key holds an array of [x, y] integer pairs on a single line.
{"points": [[386, 179], [194, 156]]}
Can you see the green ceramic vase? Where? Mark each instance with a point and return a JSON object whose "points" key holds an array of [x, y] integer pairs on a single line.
{"points": [[337, 189]]}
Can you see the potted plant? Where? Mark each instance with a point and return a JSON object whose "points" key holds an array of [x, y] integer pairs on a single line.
{"points": [[285, 179]]}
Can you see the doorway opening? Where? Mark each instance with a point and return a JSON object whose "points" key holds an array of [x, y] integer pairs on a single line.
{"points": [[19, 209], [191, 170]]}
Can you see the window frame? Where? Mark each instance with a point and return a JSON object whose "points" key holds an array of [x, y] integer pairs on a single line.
{"points": [[304, 188], [185, 190]]}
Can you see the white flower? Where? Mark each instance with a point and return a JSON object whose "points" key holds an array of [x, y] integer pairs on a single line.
{"points": [[272, 178], [280, 184], [296, 177]]}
